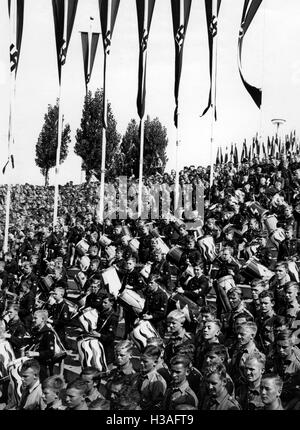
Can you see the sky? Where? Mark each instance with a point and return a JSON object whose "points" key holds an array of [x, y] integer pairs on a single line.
{"points": [[271, 60]]}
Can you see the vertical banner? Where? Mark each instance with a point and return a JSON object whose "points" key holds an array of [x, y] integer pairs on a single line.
{"points": [[16, 19], [144, 17], [64, 12], [89, 48], [212, 8], [180, 15], [249, 11]]}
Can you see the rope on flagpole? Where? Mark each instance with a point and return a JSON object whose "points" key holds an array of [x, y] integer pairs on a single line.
{"points": [[176, 185], [59, 139]]}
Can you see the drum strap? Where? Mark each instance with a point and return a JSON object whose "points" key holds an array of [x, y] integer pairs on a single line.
{"points": [[105, 321]]}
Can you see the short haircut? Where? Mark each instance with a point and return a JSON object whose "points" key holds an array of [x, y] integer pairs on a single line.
{"points": [[61, 290], [258, 356], [78, 384], [124, 344], [293, 285], [133, 259], [209, 309], [176, 315], [279, 321], [249, 325], [152, 351], [259, 283], [130, 395], [156, 341], [276, 378], [43, 313], [284, 335], [180, 359], [215, 321], [31, 364], [54, 383], [283, 264], [93, 371], [218, 349], [100, 405], [216, 368], [234, 290], [265, 294]]}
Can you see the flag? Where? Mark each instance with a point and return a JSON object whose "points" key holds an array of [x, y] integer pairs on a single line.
{"points": [[269, 146], [144, 16], [264, 150], [249, 11], [64, 12], [180, 15], [231, 152], [16, 16], [226, 156], [212, 30], [235, 156], [108, 13], [221, 156], [89, 49], [218, 157]]}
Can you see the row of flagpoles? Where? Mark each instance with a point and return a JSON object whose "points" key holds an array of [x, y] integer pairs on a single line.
{"points": [[275, 147], [64, 13]]}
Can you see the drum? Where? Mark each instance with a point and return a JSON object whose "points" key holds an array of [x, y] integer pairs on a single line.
{"points": [[252, 269], [293, 270], [134, 245], [82, 247], [14, 370], [277, 236], [47, 281], [142, 331], [186, 305], [59, 350], [175, 255], [226, 282], [126, 231], [207, 246], [162, 246], [256, 208], [80, 278], [104, 240], [133, 300], [84, 263], [187, 275], [110, 252], [111, 279], [271, 223], [146, 270], [88, 319], [91, 353], [73, 308], [6, 356]]}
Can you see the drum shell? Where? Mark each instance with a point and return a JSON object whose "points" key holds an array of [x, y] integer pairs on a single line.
{"points": [[47, 281], [226, 282], [110, 252], [142, 331], [134, 245], [6, 356], [14, 370], [187, 275], [111, 278], [162, 246], [146, 270], [175, 255], [180, 301], [207, 246], [104, 240], [91, 353], [133, 300], [271, 223], [254, 270], [88, 319], [82, 247]]}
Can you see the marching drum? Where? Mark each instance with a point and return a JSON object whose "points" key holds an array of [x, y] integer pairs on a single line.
{"points": [[126, 231], [47, 281], [277, 236], [133, 300], [104, 240], [88, 319], [226, 282], [84, 263], [162, 246], [14, 371], [110, 252], [91, 353], [208, 248], [146, 270], [271, 223], [252, 269], [59, 350], [110, 277], [186, 305], [73, 308], [6, 356], [293, 270], [142, 331], [82, 247], [257, 208], [80, 279], [175, 255], [134, 245], [187, 275]]}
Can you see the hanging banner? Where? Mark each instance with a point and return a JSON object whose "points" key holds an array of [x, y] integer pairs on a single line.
{"points": [[89, 49]]}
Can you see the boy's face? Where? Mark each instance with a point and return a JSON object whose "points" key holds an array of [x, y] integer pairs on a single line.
{"points": [[234, 300], [122, 357], [255, 291], [147, 363], [269, 391], [179, 374], [291, 294], [74, 398], [49, 396], [89, 382], [244, 335], [284, 348], [266, 305], [210, 330], [211, 357], [29, 377], [215, 385], [253, 370], [173, 326]]}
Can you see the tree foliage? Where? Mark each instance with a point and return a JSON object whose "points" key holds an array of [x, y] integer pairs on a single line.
{"points": [[89, 136], [155, 144], [46, 146]]}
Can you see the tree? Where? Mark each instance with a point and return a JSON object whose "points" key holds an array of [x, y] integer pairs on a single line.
{"points": [[155, 144], [89, 136], [46, 146]]}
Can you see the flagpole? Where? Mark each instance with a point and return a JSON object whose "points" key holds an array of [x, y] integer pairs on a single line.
{"points": [[213, 97], [59, 133], [262, 80], [142, 124]]}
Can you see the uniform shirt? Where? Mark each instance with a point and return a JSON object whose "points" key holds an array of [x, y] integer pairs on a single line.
{"points": [[182, 395], [238, 360], [248, 398], [44, 341], [156, 305], [201, 284], [176, 342], [289, 366], [224, 403], [60, 314], [94, 396], [26, 305], [17, 331], [31, 398], [152, 387], [134, 279], [288, 248]]}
